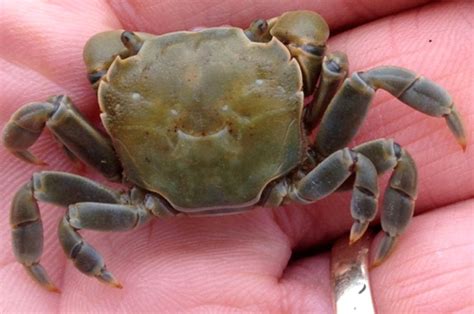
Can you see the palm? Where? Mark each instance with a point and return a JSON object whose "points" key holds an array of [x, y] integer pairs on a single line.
{"points": [[242, 262]]}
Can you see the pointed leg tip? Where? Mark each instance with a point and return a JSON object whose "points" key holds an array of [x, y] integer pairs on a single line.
{"points": [[52, 288], [384, 249], [115, 284], [118, 285], [29, 158], [106, 277], [357, 231], [39, 274], [463, 143], [354, 238], [37, 162], [456, 126], [377, 262]]}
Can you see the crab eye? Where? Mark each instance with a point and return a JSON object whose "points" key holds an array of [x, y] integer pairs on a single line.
{"points": [[95, 76], [126, 37], [333, 66], [314, 50], [132, 42], [261, 25]]}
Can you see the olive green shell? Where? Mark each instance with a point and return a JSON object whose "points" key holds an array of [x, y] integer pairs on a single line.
{"points": [[206, 119]]}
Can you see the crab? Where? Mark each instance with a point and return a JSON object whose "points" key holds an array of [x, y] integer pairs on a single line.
{"points": [[217, 121]]}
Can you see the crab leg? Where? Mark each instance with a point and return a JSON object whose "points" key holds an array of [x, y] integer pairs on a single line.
{"points": [[330, 174], [349, 106], [77, 135], [400, 194], [27, 235], [27, 229], [333, 72], [96, 216]]}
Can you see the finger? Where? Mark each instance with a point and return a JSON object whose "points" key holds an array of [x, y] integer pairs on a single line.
{"points": [[434, 260], [56, 34], [445, 172], [28, 72], [15, 285], [166, 16], [438, 53], [189, 265], [431, 270], [41, 56], [44, 47], [47, 148], [219, 263]]}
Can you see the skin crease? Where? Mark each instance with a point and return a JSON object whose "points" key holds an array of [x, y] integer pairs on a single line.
{"points": [[242, 263]]}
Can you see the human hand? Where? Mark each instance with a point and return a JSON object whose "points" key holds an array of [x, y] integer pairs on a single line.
{"points": [[243, 262]]}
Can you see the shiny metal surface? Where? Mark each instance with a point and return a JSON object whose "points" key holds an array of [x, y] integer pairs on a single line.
{"points": [[350, 276]]}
